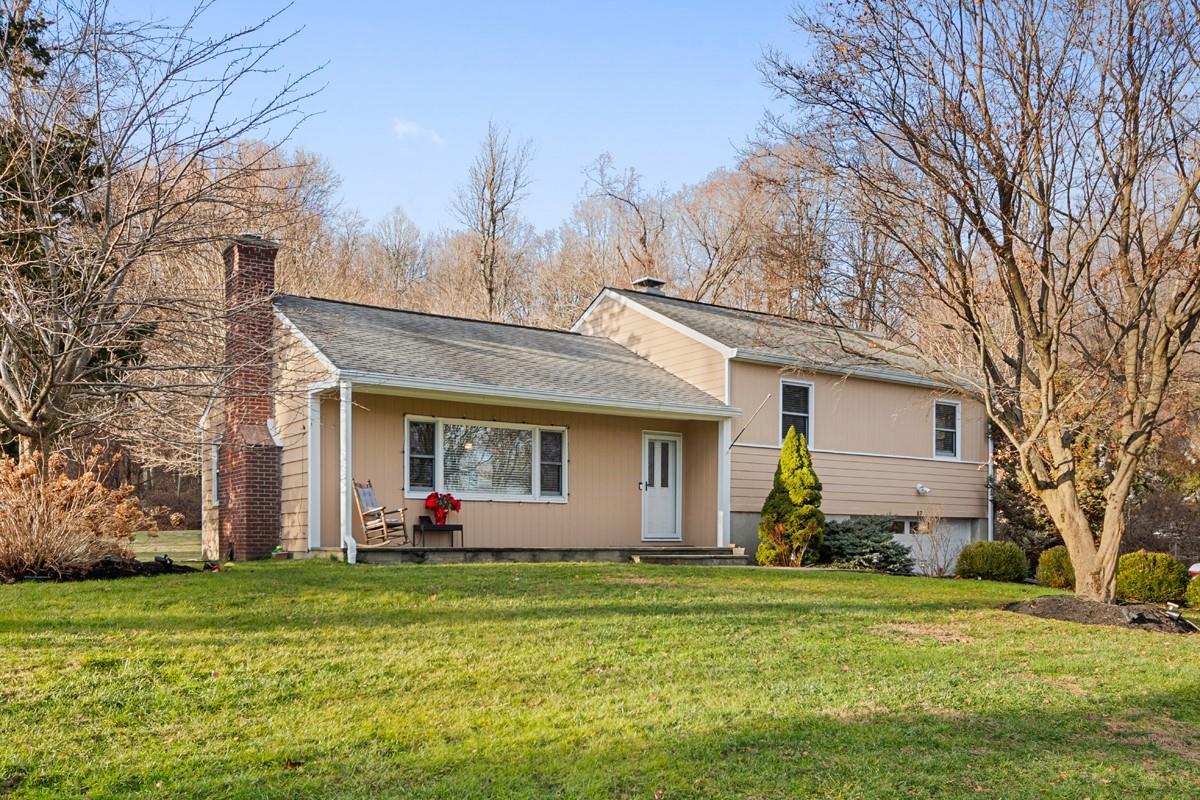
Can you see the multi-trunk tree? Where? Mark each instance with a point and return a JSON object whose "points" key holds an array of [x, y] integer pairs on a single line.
{"points": [[1039, 164]]}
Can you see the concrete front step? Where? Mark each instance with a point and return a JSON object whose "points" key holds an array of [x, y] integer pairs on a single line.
{"points": [[480, 555], [724, 559]]}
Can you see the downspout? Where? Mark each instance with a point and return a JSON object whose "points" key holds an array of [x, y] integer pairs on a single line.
{"points": [[991, 506], [345, 462]]}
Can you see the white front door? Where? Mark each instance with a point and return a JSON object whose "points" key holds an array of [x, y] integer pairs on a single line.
{"points": [[661, 474]]}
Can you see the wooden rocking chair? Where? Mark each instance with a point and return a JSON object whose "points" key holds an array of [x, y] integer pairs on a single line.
{"points": [[378, 523]]}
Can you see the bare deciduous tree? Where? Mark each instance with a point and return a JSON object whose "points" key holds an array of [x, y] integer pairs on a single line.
{"points": [[113, 140], [716, 222], [487, 206], [642, 235], [1037, 163]]}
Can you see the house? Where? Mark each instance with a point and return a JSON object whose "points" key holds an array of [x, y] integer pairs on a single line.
{"points": [[655, 421]]}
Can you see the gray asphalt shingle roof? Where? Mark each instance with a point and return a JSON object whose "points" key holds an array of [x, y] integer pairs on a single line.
{"points": [[406, 345], [759, 336]]}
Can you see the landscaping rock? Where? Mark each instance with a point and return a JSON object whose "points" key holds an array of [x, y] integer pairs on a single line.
{"points": [[1143, 617]]}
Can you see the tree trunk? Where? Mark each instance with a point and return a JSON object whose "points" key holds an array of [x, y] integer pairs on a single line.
{"points": [[1095, 568]]}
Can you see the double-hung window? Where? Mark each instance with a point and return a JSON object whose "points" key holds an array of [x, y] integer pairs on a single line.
{"points": [[795, 407], [946, 420], [486, 460]]}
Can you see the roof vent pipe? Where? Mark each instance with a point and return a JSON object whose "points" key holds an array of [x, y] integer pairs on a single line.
{"points": [[650, 285]]}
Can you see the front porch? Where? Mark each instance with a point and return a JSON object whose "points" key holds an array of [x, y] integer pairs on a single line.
{"points": [[538, 482]]}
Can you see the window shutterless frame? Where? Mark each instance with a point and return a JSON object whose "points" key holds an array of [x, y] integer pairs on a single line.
{"points": [[956, 455], [438, 465], [812, 403]]}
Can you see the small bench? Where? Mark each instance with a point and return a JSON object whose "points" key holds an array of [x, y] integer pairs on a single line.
{"points": [[426, 525]]}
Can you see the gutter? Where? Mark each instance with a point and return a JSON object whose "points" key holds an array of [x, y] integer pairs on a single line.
{"points": [[487, 390]]}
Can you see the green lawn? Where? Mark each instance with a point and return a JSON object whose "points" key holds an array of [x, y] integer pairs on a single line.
{"points": [[303, 679]]}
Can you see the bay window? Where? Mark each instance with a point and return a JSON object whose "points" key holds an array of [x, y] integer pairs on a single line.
{"points": [[486, 460]]}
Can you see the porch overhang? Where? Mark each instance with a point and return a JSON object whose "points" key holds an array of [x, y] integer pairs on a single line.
{"points": [[488, 394], [346, 383]]}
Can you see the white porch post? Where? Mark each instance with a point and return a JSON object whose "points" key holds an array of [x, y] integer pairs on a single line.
{"points": [[314, 470], [345, 470], [724, 520]]}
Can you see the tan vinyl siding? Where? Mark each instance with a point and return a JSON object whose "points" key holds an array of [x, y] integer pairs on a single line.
{"points": [[868, 484], [853, 414], [603, 506], [857, 424], [296, 370], [695, 362]]}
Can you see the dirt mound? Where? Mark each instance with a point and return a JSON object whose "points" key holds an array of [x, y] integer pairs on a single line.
{"points": [[1142, 617], [131, 568]]}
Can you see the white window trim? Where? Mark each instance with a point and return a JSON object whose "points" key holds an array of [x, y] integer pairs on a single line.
{"points": [[957, 430], [812, 408], [438, 479]]}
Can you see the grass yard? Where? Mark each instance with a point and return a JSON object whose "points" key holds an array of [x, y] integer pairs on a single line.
{"points": [[303, 679]]}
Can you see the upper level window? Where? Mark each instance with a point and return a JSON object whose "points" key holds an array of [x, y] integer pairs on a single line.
{"points": [[945, 429], [486, 460], [795, 407]]}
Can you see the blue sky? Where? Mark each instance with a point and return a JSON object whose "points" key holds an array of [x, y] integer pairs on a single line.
{"points": [[671, 88]]}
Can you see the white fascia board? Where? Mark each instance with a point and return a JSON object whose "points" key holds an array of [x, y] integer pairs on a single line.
{"points": [[587, 312], [662, 319], [308, 345], [866, 373], [495, 395]]}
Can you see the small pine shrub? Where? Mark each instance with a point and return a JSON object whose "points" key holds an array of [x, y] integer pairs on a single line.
{"points": [[1193, 593], [1054, 568], [993, 561], [1144, 577], [792, 520], [864, 543], [57, 524]]}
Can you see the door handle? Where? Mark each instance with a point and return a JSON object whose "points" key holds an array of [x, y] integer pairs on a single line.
{"points": [[641, 486]]}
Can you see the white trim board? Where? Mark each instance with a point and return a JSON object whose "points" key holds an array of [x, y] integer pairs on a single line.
{"points": [[868, 455]]}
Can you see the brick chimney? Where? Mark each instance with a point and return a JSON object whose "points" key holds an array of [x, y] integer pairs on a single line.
{"points": [[249, 467]]}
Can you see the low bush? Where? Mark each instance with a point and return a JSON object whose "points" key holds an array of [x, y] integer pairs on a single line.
{"points": [[993, 561], [864, 543], [56, 524], [1144, 577], [1054, 568], [1193, 593]]}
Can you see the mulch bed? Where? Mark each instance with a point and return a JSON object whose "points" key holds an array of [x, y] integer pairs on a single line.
{"points": [[110, 568], [1142, 617], [132, 568]]}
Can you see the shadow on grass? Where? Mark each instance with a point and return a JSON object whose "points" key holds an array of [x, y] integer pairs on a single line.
{"points": [[287, 600], [1125, 747]]}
